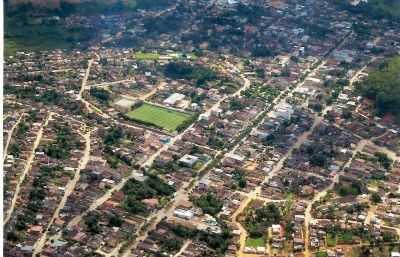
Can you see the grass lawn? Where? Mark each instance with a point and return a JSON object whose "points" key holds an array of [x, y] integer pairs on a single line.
{"points": [[321, 254], [345, 237], [330, 240], [147, 56], [255, 242], [160, 117]]}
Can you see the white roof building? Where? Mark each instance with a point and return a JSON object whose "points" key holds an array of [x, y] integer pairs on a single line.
{"points": [[172, 99], [184, 214]]}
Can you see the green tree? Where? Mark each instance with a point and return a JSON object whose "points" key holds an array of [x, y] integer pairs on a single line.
{"points": [[375, 198], [209, 203]]}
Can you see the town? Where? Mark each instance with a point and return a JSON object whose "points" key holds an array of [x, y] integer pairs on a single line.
{"points": [[206, 128]]}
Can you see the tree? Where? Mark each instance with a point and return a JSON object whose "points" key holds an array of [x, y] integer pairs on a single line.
{"points": [[115, 221], [257, 221], [100, 94], [15, 149], [113, 136], [240, 178], [209, 203], [383, 87], [384, 160], [235, 104], [12, 236], [92, 223], [182, 70], [375, 198], [133, 206], [171, 245], [262, 51], [319, 159]]}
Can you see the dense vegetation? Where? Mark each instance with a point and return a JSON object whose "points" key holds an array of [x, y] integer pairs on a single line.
{"points": [[92, 223], [23, 33], [64, 143], [113, 136], [383, 160], [135, 191], [383, 87], [29, 27], [218, 242], [209, 203], [240, 178], [181, 70], [258, 220], [100, 94], [87, 7], [36, 199], [373, 8], [354, 188], [346, 236], [48, 97]]}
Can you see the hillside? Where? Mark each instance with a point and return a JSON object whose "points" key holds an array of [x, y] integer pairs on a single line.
{"points": [[29, 24], [389, 9], [383, 87]]}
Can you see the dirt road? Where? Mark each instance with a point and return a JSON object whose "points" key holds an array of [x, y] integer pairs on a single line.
{"points": [[9, 136], [68, 190], [27, 168]]}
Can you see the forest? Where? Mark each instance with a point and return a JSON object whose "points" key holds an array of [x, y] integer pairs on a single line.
{"points": [[383, 87]]}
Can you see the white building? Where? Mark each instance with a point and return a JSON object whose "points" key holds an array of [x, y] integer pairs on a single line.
{"points": [[184, 214], [174, 98], [188, 160]]}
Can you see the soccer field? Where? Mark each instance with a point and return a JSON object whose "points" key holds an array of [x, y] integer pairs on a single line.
{"points": [[160, 117], [147, 56]]}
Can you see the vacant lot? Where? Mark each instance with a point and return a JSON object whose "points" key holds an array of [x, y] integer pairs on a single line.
{"points": [[159, 117]]}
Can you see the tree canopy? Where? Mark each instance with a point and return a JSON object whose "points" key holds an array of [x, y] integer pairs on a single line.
{"points": [[389, 9], [383, 87], [182, 70], [209, 203], [258, 220]]}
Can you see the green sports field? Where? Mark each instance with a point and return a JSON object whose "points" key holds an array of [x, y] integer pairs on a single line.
{"points": [[158, 116], [141, 56], [255, 242]]}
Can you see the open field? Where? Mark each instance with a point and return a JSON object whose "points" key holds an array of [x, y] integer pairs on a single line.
{"points": [[147, 56], [159, 117], [255, 242]]}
